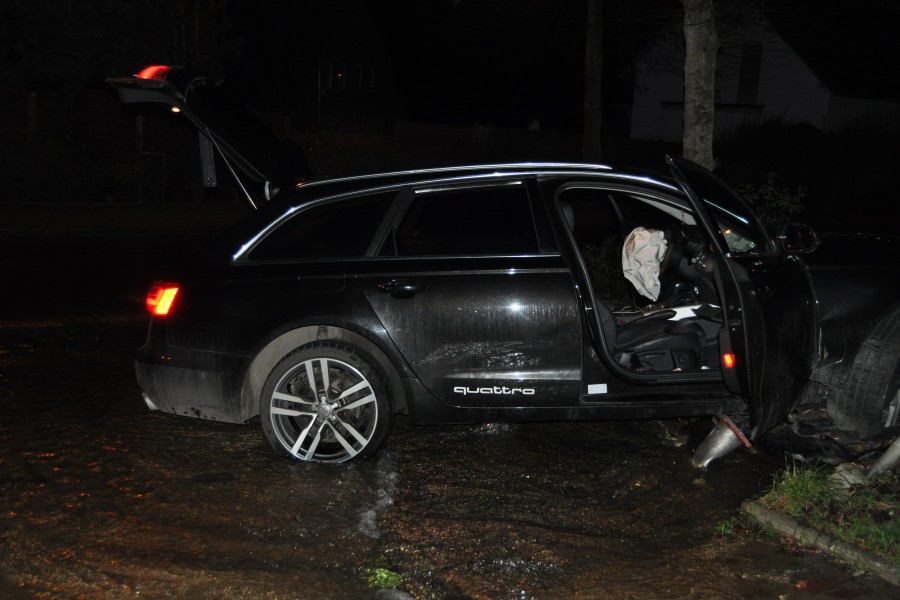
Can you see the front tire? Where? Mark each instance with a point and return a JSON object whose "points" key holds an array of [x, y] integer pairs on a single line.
{"points": [[325, 402], [870, 401]]}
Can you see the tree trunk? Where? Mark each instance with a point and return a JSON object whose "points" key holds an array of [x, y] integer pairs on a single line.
{"points": [[701, 45], [593, 78]]}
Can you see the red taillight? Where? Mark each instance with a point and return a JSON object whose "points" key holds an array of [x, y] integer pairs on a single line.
{"points": [[160, 298], [728, 360], [154, 72]]}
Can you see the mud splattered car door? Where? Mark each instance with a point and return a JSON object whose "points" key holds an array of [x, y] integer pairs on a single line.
{"points": [[482, 310], [768, 301]]}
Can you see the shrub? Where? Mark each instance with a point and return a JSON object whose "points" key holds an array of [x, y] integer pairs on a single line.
{"points": [[776, 205]]}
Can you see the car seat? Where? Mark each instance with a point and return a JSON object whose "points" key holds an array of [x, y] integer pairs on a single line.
{"points": [[683, 277], [650, 342]]}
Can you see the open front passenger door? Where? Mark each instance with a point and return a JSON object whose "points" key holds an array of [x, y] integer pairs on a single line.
{"points": [[768, 301]]}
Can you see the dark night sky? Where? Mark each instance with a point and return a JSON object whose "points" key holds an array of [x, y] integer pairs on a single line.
{"points": [[493, 62], [501, 65], [504, 61], [490, 61], [499, 62]]}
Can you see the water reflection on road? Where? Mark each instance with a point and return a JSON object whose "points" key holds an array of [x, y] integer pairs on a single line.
{"points": [[101, 499]]}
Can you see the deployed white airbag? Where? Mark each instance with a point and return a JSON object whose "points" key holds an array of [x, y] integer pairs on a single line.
{"points": [[642, 252]]}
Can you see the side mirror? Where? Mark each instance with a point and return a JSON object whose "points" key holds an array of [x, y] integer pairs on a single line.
{"points": [[797, 238]]}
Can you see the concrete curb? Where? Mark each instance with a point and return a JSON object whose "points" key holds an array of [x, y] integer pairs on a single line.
{"points": [[807, 536]]}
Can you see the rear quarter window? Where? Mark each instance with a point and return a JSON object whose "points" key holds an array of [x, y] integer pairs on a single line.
{"points": [[339, 229]]}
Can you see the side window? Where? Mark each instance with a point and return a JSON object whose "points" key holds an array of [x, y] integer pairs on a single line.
{"points": [[596, 227], [647, 215], [333, 230], [472, 221], [738, 226], [593, 217]]}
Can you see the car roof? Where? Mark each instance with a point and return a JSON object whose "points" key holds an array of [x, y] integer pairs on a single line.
{"points": [[372, 180], [307, 191], [328, 186]]}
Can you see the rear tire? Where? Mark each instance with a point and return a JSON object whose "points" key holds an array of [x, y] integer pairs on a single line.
{"points": [[325, 402], [870, 401]]}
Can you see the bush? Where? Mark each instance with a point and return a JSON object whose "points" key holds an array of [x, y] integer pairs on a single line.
{"points": [[776, 205]]}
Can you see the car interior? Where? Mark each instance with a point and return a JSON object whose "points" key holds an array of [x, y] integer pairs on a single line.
{"points": [[677, 330]]}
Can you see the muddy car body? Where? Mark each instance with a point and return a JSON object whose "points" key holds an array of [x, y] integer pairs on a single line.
{"points": [[490, 292]]}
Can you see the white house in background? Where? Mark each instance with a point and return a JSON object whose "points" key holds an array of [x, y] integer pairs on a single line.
{"points": [[759, 78]]}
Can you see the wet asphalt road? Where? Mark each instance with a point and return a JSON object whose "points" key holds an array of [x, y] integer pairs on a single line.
{"points": [[100, 498]]}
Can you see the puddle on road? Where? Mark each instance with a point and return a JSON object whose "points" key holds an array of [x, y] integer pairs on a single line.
{"points": [[100, 498], [589, 510]]}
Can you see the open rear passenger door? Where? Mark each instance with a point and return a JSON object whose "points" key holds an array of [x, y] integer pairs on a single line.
{"points": [[767, 301]]}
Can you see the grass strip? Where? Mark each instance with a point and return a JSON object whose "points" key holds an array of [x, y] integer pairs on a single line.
{"points": [[864, 517]]}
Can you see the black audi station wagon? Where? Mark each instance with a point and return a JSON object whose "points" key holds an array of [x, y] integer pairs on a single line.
{"points": [[467, 294]]}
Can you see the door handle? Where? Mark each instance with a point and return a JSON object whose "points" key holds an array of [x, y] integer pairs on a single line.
{"points": [[401, 288]]}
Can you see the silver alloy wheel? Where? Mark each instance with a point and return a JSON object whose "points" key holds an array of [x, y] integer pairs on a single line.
{"points": [[323, 409]]}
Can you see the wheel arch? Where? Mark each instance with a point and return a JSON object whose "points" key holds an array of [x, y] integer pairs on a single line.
{"points": [[282, 345]]}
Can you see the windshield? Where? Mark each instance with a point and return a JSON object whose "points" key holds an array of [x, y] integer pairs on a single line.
{"points": [[735, 230]]}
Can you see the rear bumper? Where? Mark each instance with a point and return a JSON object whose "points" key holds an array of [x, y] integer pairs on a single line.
{"points": [[203, 385]]}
